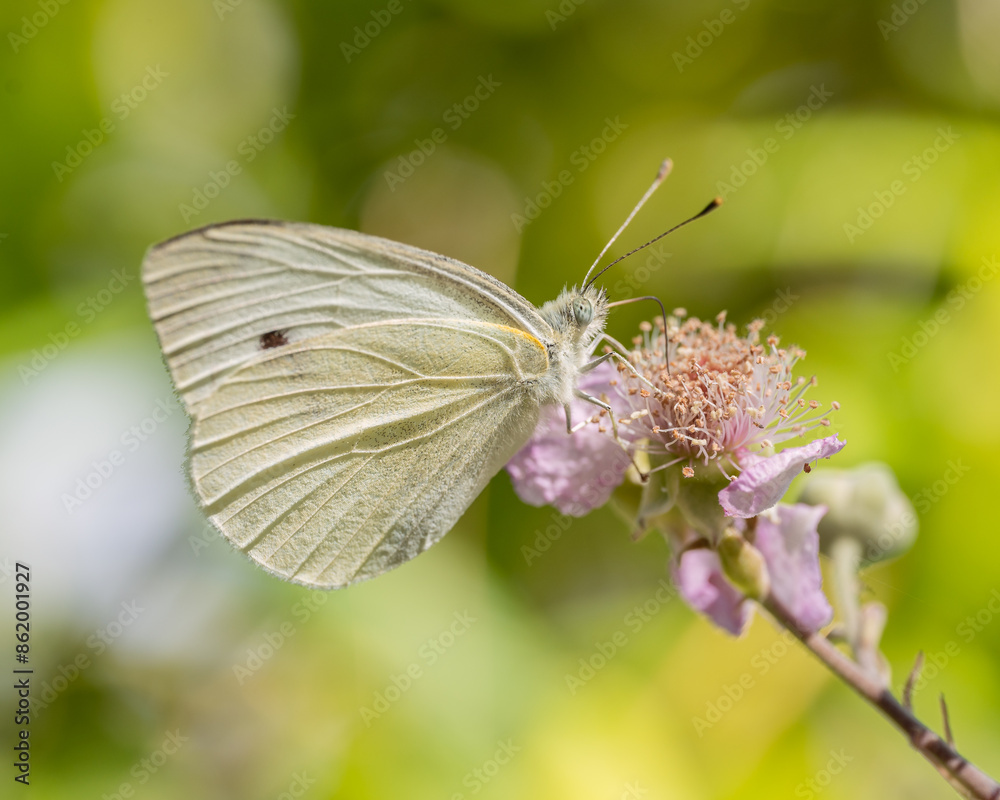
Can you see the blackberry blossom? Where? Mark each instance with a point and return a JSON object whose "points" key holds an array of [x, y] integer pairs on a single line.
{"points": [[721, 396]]}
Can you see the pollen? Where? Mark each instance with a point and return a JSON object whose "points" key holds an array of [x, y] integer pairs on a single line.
{"points": [[724, 391]]}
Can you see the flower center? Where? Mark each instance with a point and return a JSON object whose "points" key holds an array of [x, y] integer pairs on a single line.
{"points": [[722, 393]]}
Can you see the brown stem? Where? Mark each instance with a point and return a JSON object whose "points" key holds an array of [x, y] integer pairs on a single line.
{"points": [[964, 777]]}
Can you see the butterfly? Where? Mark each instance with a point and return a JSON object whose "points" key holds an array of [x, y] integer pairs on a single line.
{"points": [[350, 396]]}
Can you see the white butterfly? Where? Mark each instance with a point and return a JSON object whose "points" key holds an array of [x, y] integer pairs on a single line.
{"points": [[350, 395]]}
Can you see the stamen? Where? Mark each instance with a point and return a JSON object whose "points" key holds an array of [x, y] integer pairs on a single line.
{"points": [[723, 391]]}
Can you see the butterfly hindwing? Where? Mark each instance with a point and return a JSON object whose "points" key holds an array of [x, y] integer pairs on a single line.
{"points": [[335, 458]]}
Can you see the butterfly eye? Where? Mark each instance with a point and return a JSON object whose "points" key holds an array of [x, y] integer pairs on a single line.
{"points": [[583, 311]]}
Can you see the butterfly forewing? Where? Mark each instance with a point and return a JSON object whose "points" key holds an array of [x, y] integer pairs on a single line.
{"points": [[220, 295], [332, 459]]}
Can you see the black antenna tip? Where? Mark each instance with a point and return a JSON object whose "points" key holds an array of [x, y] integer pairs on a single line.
{"points": [[716, 202]]}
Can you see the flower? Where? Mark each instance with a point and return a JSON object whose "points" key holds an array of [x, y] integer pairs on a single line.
{"points": [[725, 400], [693, 397], [786, 536], [575, 473], [700, 581], [722, 394], [786, 541], [764, 481]]}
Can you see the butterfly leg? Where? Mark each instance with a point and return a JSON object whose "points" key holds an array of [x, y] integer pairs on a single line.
{"points": [[614, 427], [571, 428], [590, 365]]}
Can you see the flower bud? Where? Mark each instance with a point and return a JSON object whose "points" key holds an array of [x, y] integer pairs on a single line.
{"points": [[864, 504], [743, 564]]}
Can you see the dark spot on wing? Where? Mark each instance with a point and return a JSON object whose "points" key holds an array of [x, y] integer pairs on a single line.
{"points": [[273, 339]]}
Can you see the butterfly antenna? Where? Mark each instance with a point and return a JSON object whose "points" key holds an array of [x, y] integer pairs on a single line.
{"points": [[663, 312], [661, 176], [654, 298], [716, 202]]}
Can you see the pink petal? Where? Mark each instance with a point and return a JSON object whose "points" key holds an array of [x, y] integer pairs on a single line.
{"points": [[788, 540], [764, 480], [575, 473], [700, 581]]}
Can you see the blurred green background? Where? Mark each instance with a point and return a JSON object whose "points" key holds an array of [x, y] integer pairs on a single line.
{"points": [[858, 148]]}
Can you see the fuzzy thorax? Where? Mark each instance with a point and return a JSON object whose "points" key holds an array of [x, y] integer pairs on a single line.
{"points": [[577, 318]]}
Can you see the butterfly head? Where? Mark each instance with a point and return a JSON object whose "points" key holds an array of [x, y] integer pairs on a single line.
{"points": [[578, 315]]}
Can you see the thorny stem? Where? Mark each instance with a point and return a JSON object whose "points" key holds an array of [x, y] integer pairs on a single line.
{"points": [[964, 777]]}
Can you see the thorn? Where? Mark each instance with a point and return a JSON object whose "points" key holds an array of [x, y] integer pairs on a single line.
{"points": [[912, 679], [947, 722]]}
